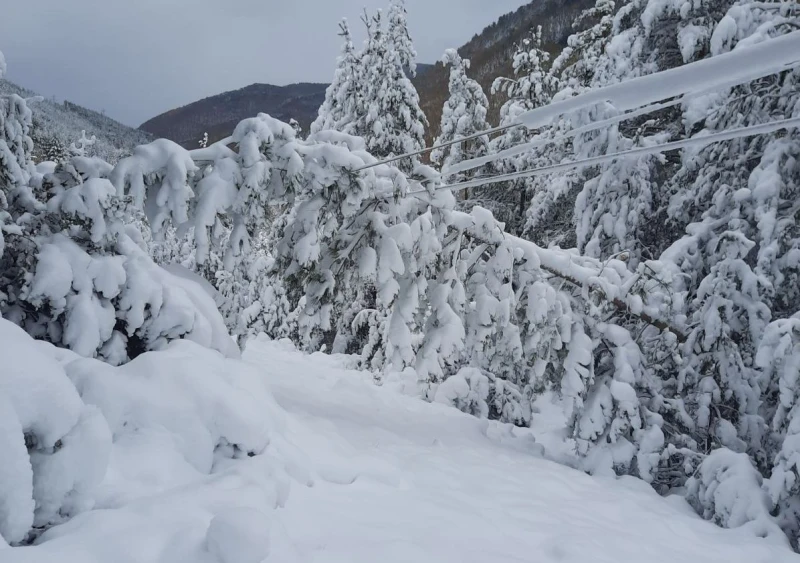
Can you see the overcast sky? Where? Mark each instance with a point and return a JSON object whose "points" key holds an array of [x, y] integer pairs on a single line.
{"points": [[138, 58]]}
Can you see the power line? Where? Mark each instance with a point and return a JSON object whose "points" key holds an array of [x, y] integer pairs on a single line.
{"points": [[439, 146], [639, 151], [774, 55]]}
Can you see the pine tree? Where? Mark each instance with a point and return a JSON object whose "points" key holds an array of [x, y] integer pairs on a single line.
{"points": [[533, 85], [343, 105], [463, 115], [393, 122], [19, 208], [399, 37]]}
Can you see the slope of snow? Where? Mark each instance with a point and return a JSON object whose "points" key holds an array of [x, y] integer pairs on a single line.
{"points": [[339, 470], [65, 121]]}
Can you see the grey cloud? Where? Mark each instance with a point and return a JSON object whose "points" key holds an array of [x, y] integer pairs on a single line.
{"points": [[137, 58]]}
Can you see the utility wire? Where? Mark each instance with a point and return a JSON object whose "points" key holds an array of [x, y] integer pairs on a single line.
{"points": [[639, 151]]}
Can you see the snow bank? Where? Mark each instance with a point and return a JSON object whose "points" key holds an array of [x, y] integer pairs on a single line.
{"points": [[77, 434], [399, 479], [193, 460]]}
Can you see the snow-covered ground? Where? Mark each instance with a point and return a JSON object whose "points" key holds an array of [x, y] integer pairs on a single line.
{"points": [[342, 471]]}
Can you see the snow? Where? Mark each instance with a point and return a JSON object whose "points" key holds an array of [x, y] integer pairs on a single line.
{"points": [[326, 467]]}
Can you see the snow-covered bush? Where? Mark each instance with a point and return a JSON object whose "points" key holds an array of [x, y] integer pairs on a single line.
{"points": [[55, 446], [468, 391], [184, 410], [728, 491]]}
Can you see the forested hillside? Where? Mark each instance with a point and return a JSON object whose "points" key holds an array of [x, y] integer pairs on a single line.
{"points": [[491, 51]]}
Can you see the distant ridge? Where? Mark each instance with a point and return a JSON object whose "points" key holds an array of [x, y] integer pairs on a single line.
{"points": [[490, 53], [218, 115]]}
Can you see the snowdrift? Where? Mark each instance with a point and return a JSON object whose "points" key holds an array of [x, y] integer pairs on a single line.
{"points": [[84, 443], [184, 455]]}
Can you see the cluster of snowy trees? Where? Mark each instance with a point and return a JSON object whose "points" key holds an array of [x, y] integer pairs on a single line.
{"points": [[371, 95], [671, 332], [712, 229]]}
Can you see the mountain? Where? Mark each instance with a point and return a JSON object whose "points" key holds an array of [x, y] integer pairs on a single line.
{"points": [[57, 125], [218, 115], [490, 53]]}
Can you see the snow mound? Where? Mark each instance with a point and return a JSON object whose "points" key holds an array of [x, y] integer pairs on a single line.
{"points": [[239, 535], [55, 447], [78, 434], [185, 455]]}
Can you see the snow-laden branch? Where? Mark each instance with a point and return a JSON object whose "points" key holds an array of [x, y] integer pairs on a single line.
{"points": [[696, 142], [610, 279]]}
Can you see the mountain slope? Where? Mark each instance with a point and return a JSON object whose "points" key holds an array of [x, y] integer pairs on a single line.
{"points": [[490, 53], [218, 115], [58, 125]]}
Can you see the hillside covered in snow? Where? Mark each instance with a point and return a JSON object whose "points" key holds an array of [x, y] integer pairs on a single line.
{"points": [[57, 125]]}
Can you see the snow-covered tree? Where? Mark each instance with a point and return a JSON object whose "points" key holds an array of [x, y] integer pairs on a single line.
{"points": [[400, 38], [343, 103], [779, 357], [532, 85], [18, 206], [463, 115], [392, 123]]}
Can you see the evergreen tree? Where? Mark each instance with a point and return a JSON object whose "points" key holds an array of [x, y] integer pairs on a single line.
{"points": [[393, 122], [533, 85], [343, 104], [19, 208], [399, 37], [463, 115]]}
